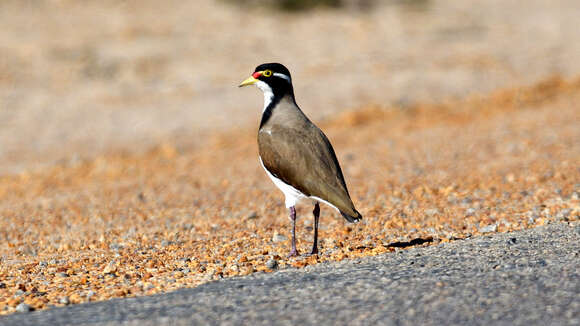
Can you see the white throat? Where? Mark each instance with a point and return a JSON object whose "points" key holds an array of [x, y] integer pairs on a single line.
{"points": [[268, 94]]}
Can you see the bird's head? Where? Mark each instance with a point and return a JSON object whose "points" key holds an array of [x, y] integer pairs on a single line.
{"points": [[272, 78]]}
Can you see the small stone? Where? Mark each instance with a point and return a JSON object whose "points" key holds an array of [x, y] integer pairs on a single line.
{"points": [[532, 217], [91, 294], [431, 212], [488, 228], [23, 307], [110, 268], [234, 268], [252, 216], [116, 246], [279, 237], [563, 214], [330, 243], [2, 285], [470, 212], [64, 300], [272, 264]]}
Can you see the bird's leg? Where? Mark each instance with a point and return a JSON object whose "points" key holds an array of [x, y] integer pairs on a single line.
{"points": [[293, 252], [316, 213]]}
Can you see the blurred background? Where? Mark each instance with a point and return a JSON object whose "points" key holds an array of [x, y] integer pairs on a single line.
{"points": [[82, 78]]}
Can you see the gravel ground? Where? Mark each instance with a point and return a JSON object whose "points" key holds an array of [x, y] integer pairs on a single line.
{"points": [[527, 277], [134, 225]]}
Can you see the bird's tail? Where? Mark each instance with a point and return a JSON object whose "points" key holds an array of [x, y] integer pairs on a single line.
{"points": [[352, 218]]}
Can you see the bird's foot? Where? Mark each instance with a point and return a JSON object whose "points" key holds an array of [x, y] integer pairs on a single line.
{"points": [[293, 253]]}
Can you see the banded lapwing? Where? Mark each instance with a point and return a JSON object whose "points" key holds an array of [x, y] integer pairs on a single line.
{"points": [[295, 153]]}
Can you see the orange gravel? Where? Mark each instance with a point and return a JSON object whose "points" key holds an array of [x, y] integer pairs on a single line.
{"points": [[125, 225]]}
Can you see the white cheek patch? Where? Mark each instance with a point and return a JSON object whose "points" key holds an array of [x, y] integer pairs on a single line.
{"points": [[268, 94], [280, 75]]}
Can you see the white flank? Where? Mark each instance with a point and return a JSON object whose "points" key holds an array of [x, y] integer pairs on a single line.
{"points": [[292, 194]]}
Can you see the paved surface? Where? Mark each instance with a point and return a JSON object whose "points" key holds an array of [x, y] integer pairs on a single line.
{"points": [[530, 277]]}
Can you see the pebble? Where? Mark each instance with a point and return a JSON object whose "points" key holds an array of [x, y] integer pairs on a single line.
{"points": [[330, 243], [116, 246], [64, 300], [470, 212], [272, 264], [431, 212], [279, 238], [2, 285], [110, 268], [488, 228], [563, 214], [23, 307]]}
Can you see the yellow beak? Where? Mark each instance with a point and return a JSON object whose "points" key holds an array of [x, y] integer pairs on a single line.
{"points": [[250, 81]]}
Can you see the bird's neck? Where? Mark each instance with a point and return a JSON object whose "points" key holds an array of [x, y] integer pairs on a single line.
{"points": [[271, 101], [271, 98]]}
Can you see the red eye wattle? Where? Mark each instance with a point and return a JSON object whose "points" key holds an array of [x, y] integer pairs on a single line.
{"points": [[257, 74]]}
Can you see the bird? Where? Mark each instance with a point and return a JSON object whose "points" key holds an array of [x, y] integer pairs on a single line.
{"points": [[295, 153]]}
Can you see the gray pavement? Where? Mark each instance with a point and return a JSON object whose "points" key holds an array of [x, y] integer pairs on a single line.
{"points": [[530, 277]]}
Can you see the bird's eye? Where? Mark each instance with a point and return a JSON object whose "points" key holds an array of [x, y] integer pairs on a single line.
{"points": [[267, 73]]}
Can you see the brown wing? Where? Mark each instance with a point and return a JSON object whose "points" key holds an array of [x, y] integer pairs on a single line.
{"points": [[304, 158]]}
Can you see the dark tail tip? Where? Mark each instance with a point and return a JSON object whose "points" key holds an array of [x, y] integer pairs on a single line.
{"points": [[351, 218]]}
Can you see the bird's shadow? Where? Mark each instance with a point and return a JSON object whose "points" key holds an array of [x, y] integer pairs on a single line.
{"points": [[414, 242]]}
